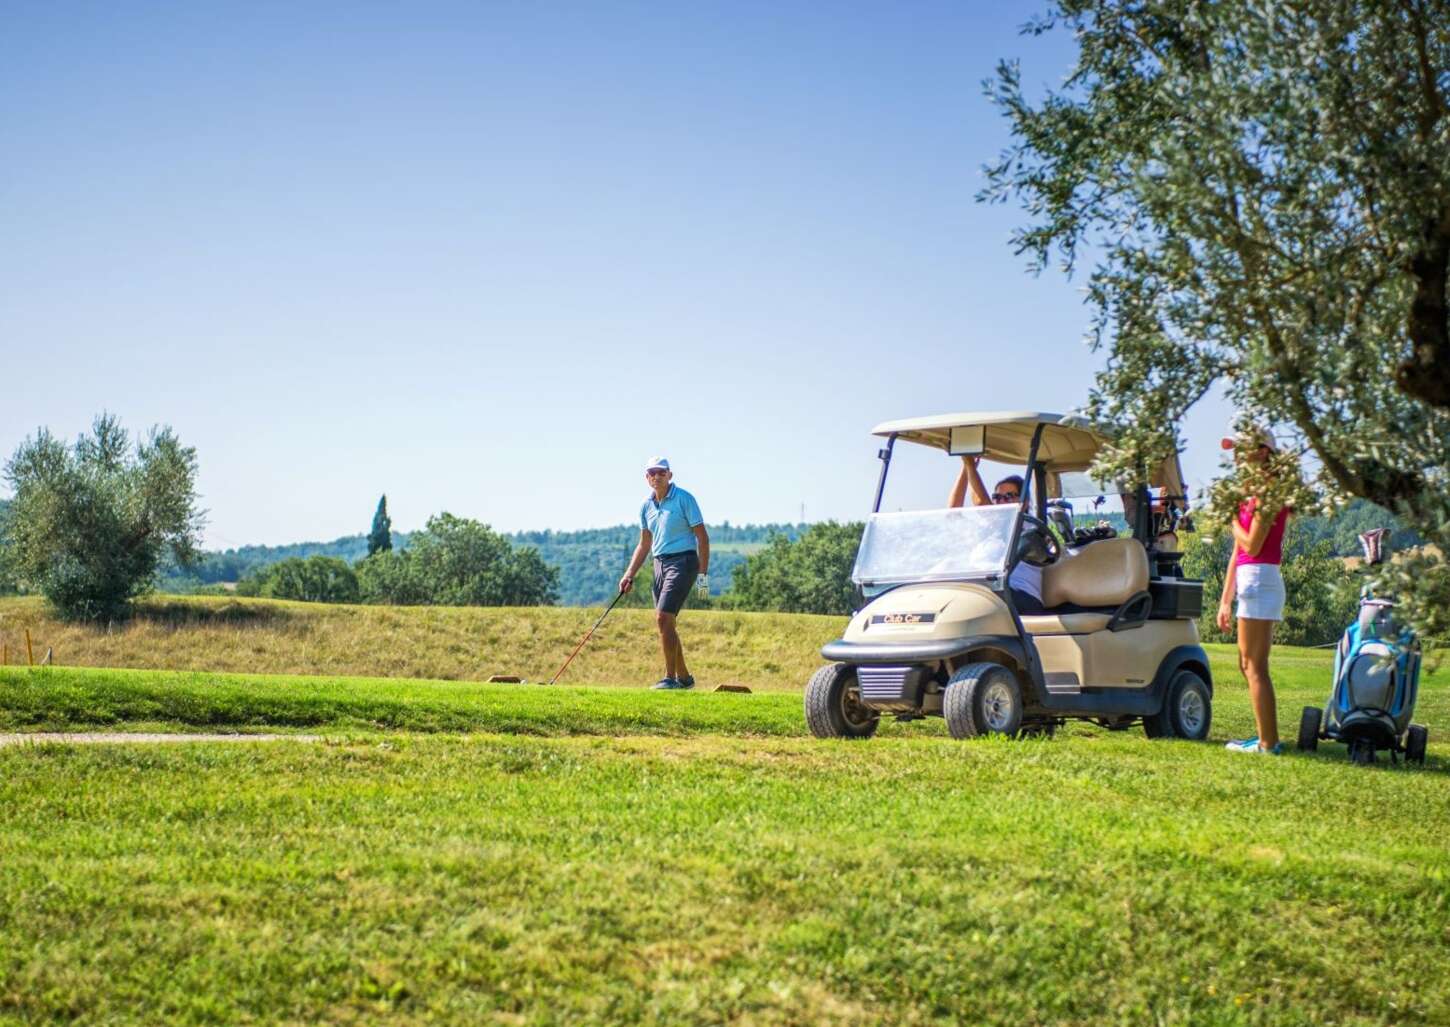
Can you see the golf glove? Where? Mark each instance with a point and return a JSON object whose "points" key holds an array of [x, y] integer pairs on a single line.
{"points": [[702, 586]]}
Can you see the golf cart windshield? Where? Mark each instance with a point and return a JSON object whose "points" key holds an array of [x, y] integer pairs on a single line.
{"points": [[934, 545]]}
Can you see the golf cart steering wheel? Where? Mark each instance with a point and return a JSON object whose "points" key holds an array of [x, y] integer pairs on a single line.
{"points": [[1054, 549]]}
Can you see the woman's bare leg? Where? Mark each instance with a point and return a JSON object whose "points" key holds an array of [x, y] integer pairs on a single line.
{"points": [[1255, 638]]}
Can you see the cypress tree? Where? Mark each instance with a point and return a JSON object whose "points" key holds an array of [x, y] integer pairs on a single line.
{"points": [[380, 539]]}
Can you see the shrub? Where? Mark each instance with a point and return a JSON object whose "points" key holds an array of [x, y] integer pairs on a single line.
{"points": [[809, 575], [314, 579], [456, 561], [89, 524]]}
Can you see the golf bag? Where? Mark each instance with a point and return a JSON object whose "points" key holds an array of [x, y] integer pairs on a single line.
{"points": [[1376, 682]]}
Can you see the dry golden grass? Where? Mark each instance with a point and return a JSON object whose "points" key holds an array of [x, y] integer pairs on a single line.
{"points": [[762, 650]]}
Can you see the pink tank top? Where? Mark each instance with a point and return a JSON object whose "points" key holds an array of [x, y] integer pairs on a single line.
{"points": [[1272, 550]]}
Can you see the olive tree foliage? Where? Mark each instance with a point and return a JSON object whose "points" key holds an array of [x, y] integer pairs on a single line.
{"points": [[1262, 190], [90, 523]]}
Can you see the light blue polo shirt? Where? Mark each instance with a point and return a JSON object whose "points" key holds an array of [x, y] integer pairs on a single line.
{"points": [[669, 522]]}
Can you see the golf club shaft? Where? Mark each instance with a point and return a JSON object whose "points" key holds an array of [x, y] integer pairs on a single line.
{"points": [[586, 638]]}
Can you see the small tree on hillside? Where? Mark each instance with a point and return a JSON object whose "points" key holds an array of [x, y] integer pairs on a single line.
{"points": [[1264, 192], [380, 539], [312, 579], [89, 524], [810, 575], [456, 561]]}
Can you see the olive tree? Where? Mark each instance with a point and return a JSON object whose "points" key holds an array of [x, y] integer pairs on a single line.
{"points": [[1262, 192], [89, 523]]}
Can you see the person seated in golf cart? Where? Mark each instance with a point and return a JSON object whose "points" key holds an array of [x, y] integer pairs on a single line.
{"points": [[1026, 578]]}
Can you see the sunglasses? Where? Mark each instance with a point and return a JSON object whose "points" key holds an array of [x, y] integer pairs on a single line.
{"points": [[1005, 497]]}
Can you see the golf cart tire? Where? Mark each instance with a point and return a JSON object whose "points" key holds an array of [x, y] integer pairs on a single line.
{"points": [[1416, 739], [1309, 722], [831, 711], [982, 699], [1187, 711]]}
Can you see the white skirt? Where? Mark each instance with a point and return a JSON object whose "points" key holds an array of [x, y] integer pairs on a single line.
{"points": [[1260, 589]]}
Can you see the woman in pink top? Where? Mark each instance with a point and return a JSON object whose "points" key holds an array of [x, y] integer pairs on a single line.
{"points": [[1254, 578]]}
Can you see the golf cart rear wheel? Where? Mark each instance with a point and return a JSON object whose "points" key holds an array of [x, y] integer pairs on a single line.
{"points": [[982, 699], [833, 705], [1187, 710], [1415, 741], [1309, 722]]}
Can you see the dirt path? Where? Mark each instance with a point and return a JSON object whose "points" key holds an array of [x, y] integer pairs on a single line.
{"points": [[91, 737]]}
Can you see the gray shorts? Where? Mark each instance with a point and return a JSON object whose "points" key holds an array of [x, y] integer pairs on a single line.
{"points": [[675, 575]]}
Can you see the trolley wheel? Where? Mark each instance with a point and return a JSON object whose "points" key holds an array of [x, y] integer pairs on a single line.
{"points": [[1415, 741], [1309, 722]]}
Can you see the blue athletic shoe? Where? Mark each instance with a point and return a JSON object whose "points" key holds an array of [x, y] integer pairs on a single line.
{"points": [[668, 684], [688, 681], [1251, 745]]}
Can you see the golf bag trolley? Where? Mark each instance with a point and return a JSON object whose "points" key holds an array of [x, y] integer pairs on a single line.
{"points": [[1376, 681]]}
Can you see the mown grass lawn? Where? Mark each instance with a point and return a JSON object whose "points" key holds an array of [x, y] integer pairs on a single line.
{"points": [[692, 861]]}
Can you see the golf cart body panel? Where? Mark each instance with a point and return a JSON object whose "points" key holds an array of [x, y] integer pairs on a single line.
{"points": [[940, 613], [915, 614], [1110, 659]]}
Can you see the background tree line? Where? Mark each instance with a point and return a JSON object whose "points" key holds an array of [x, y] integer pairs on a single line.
{"points": [[454, 561], [589, 561], [94, 524]]}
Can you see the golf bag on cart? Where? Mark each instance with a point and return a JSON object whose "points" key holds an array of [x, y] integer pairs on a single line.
{"points": [[1376, 680]]}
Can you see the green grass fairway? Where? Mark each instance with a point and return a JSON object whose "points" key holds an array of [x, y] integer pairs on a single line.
{"points": [[72, 698], [606, 856]]}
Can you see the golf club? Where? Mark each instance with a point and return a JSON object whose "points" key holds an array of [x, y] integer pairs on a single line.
{"points": [[586, 637]]}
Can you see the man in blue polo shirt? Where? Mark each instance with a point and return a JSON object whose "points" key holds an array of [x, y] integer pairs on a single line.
{"points": [[673, 532]]}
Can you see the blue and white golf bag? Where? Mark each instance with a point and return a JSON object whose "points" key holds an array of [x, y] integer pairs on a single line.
{"points": [[1376, 678], [1376, 682]]}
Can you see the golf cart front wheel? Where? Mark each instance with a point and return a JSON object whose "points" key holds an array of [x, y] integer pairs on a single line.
{"points": [[982, 699], [1309, 722], [1187, 710], [833, 705], [1415, 741]]}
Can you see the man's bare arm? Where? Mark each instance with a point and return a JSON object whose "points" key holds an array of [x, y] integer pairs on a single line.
{"points": [[640, 552], [702, 541]]}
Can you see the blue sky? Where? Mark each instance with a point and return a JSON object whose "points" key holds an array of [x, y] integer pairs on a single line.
{"points": [[491, 257]]}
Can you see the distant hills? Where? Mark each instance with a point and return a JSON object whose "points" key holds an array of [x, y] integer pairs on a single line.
{"points": [[589, 561]]}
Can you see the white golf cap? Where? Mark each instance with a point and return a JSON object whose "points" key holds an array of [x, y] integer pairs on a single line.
{"points": [[658, 463]]}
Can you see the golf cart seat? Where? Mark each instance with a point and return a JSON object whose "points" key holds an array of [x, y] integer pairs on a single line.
{"points": [[1104, 585]]}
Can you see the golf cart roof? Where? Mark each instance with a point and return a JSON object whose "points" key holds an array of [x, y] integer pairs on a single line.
{"points": [[1069, 442]]}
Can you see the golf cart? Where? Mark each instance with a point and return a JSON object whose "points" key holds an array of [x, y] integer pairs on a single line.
{"points": [[940, 635]]}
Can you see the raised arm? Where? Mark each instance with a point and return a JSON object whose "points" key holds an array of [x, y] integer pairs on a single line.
{"points": [[968, 477]]}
